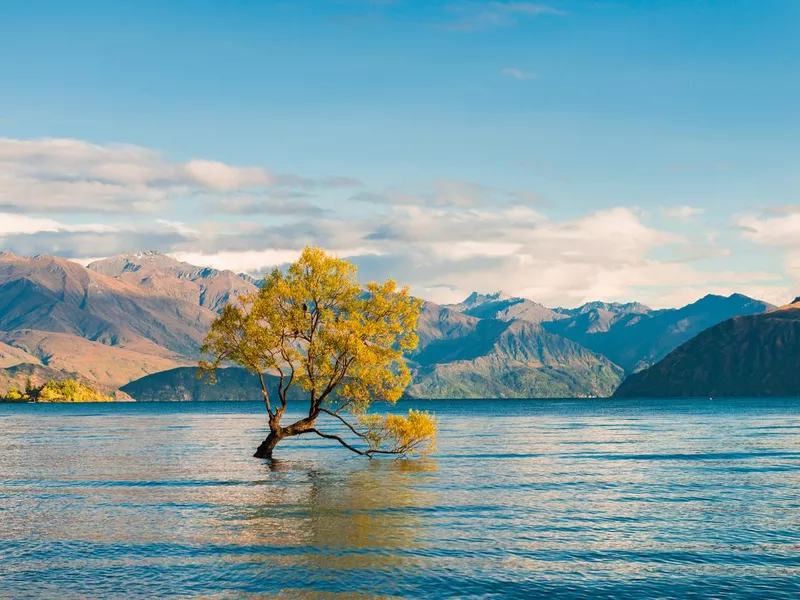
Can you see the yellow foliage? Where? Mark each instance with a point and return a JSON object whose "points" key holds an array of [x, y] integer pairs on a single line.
{"points": [[16, 396], [316, 328], [396, 434], [68, 390]]}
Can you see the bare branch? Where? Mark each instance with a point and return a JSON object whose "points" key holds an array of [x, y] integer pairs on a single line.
{"points": [[337, 378], [285, 389], [264, 392], [343, 420], [329, 436], [368, 453]]}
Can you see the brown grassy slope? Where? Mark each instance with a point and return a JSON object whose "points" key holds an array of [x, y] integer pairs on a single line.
{"points": [[47, 293], [10, 356], [108, 365]]}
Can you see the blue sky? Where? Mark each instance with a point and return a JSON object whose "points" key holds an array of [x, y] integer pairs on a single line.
{"points": [[566, 151]]}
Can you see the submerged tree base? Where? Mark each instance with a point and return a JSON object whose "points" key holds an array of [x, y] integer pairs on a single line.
{"points": [[381, 434], [267, 446]]}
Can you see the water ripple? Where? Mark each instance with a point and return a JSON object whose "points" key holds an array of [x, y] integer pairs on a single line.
{"points": [[551, 499]]}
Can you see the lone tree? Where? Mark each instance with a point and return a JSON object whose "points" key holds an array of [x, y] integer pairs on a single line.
{"points": [[317, 329]]}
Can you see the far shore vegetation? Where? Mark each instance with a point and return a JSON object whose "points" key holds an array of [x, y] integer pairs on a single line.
{"points": [[69, 390]]}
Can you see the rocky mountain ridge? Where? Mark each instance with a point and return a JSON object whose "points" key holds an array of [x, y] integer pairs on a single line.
{"points": [[747, 356], [131, 316], [204, 286]]}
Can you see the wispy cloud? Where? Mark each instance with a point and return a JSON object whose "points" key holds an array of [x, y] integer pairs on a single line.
{"points": [[517, 73], [778, 233], [69, 175], [782, 209], [449, 193], [684, 213], [444, 238], [276, 205], [442, 250], [475, 16], [11, 223]]}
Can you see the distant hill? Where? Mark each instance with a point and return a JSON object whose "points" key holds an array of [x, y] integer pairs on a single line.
{"points": [[107, 365], [597, 317], [504, 307], [463, 356], [631, 335], [475, 299], [182, 384], [250, 279], [749, 356], [634, 336], [10, 356], [438, 322], [510, 359]]}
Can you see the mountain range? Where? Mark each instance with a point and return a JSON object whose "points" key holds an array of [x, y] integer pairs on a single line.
{"points": [[748, 356], [136, 321]]}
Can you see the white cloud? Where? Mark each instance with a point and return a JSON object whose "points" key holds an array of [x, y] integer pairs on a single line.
{"points": [[445, 239], [447, 193], [28, 235], [684, 213], [680, 296], [16, 224], [605, 255], [462, 250], [447, 253], [219, 176], [476, 15], [443, 253], [517, 73], [181, 228], [253, 261], [781, 233], [75, 175]]}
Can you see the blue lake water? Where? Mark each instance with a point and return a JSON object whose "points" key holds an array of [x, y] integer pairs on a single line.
{"points": [[556, 499]]}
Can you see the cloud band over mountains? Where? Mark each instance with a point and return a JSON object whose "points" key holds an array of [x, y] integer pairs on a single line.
{"points": [[85, 200]]}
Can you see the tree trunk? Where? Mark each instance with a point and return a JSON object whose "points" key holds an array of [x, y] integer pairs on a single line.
{"points": [[268, 445]]}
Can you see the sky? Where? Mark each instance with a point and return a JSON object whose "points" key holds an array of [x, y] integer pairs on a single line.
{"points": [[565, 151]]}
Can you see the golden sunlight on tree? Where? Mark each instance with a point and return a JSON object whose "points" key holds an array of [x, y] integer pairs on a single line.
{"points": [[316, 328]]}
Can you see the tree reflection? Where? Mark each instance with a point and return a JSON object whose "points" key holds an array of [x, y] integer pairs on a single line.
{"points": [[343, 519]]}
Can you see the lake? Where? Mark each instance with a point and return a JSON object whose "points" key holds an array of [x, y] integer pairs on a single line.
{"points": [[555, 499]]}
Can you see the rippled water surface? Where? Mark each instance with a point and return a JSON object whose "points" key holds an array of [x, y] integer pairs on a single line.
{"points": [[562, 499]]}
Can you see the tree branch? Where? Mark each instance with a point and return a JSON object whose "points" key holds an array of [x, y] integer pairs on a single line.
{"points": [[329, 436], [342, 419], [265, 392], [337, 377], [368, 453], [288, 384]]}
